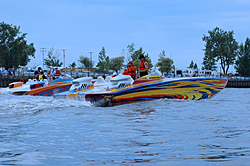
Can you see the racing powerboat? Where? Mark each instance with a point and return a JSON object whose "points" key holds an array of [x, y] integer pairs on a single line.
{"points": [[45, 87], [78, 85], [155, 86], [82, 86]]}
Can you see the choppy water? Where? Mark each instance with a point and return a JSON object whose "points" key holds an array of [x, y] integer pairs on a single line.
{"points": [[47, 131]]}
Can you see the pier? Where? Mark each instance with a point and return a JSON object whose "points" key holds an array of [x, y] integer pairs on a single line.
{"points": [[5, 80], [238, 83]]}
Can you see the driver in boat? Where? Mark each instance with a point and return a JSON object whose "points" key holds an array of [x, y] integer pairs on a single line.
{"points": [[131, 70], [56, 73], [37, 73], [42, 76], [49, 75], [143, 69]]}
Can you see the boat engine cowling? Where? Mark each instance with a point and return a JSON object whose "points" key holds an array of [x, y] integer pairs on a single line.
{"points": [[121, 81], [81, 83], [37, 85]]}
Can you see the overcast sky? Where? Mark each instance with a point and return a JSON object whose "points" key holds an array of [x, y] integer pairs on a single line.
{"points": [[81, 26]]}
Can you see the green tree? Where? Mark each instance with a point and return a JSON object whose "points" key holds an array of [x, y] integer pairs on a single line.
{"points": [[85, 61], [137, 63], [195, 66], [53, 58], [116, 63], [131, 49], [191, 66], [165, 64], [222, 46], [103, 61], [209, 63], [72, 65], [136, 54], [242, 64], [14, 50]]}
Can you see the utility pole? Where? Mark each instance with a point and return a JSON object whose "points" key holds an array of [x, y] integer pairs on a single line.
{"points": [[90, 60], [43, 50], [64, 56]]}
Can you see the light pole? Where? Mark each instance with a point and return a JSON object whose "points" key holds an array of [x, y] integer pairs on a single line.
{"points": [[90, 60], [43, 50], [64, 56]]}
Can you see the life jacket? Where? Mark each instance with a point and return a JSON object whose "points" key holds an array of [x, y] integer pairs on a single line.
{"points": [[41, 77], [57, 74], [125, 72], [142, 67], [132, 71]]}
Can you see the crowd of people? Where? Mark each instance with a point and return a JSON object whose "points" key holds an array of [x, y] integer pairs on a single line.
{"points": [[10, 71], [130, 70], [142, 71]]}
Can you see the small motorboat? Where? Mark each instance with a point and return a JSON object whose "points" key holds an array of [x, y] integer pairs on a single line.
{"points": [[45, 87], [155, 86], [78, 85], [84, 85]]}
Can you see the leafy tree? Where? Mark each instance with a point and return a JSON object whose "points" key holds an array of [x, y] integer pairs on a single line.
{"points": [[87, 64], [191, 66], [242, 64], [14, 50], [195, 66], [209, 63], [116, 63], [137, 63], [103, 61], [72, 65], [165, 64], [131, 49], [53, 58], [222, 46], [136, 54]]}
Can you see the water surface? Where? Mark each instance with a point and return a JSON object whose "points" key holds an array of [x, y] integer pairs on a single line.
{"points": [[45, 131]]}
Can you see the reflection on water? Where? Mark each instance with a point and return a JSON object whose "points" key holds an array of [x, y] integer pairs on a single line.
{"points": [[45, 131]]}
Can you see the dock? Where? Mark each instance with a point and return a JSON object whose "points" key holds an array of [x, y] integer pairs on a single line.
{"points": [[238, 83]]}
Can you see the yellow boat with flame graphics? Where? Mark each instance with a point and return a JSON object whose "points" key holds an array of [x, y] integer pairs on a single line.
{"points": [[155, 86]]}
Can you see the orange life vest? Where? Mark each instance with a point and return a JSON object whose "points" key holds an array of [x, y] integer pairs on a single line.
{"points": [[132, 71], [142, 67]]}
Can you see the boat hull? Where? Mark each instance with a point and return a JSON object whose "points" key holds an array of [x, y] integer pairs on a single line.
{"points": [[184, 88], [49, 90]]}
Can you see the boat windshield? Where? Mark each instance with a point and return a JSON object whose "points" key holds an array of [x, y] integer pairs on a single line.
{"points": [[155, 72]]}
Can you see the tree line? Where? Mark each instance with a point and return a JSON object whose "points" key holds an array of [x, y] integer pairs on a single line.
{"points": [[220, 47]]}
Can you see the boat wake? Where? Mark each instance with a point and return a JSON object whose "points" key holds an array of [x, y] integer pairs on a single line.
{"points": [[19, 106]]}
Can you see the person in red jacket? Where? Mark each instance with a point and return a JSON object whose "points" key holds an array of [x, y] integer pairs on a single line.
{"points": [[56, 73], [143, 69], [131, 70]]}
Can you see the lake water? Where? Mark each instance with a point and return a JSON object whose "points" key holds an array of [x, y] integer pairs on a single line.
{"points": [[46, 131]]}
